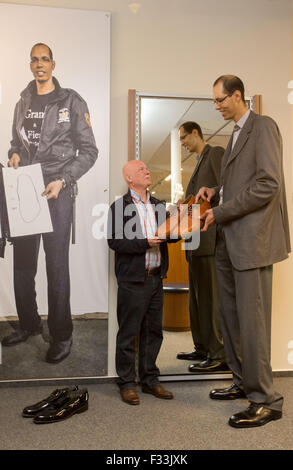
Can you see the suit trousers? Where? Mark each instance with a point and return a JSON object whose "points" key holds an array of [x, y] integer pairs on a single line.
{"points": [[139, 313], [56, 247], [246, 301], [204, 306]]}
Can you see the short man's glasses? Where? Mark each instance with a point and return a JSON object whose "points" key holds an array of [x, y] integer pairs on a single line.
{"points": [[221, 100]]}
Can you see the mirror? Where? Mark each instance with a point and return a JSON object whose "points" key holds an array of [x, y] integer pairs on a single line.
{"points": [[154, 122]]}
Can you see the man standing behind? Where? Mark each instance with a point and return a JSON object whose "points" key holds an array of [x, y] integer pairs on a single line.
{"points": [[204, 306], [51, 126], [253, 234], [141, 261]]}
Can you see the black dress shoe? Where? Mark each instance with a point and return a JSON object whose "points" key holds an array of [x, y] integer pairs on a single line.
{"points": [[210, 365], [58, 351], [254, 415], [74, 402], [19, 336], [195, 355], [230, 393], [32, 410]]}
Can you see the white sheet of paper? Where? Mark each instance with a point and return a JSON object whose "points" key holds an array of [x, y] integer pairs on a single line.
{"points": [[28, 210]]}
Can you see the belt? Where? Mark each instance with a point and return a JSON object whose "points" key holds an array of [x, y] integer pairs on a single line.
{"points": [[153, 271]]}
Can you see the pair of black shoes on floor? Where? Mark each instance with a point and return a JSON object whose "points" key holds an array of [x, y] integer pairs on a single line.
{"points": [[59, 405], [206, 365]]}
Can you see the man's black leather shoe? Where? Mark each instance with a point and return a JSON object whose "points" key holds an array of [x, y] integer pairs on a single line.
{"points": [[58, 351], [254, 415], [19, 336], [195, 355], [230, 393], [74, 402], [32, 410], [210, 365]]}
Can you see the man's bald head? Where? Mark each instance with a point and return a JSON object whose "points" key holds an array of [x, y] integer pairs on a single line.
{"points": [[136, 175]]}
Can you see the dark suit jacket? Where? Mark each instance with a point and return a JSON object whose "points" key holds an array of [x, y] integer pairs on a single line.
{"points": [[125, 237], [206, 173], [254, 210]]}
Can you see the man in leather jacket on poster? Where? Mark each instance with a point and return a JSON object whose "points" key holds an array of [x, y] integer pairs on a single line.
{"points": [[52, 127]]}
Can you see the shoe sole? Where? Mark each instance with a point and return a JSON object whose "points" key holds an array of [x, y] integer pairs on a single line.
{"points": [[228, 398], [50, 361], [131, 402], [198, 359], [241, 426], [157, 396], [80, 410], [210, 371]]}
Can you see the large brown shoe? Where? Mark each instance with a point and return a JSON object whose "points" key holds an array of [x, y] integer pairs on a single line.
{"points": [[130, 396], [158, 391]]}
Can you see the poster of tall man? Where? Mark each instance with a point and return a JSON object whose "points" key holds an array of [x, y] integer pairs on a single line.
{"points": [[72, 146]]}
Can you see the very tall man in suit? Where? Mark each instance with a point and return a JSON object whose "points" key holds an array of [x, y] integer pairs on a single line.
{"points": [[204, 305], [253, 234]]}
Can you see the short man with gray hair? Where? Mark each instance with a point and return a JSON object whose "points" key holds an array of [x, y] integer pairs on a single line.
{"points": [[141, 262]]}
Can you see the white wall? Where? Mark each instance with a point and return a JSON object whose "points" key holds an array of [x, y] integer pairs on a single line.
{"points": [[181, 46]]}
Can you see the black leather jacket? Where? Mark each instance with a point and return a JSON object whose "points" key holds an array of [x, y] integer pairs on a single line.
{"points": [[67, 147]]}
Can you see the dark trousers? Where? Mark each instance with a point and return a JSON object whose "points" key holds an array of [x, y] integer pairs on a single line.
{"points": [[56, 247], [246, 299], [139, 313], [204, 306]]}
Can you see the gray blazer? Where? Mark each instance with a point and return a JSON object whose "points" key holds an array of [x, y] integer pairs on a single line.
{"points": [[206, 173], [254, 213]]}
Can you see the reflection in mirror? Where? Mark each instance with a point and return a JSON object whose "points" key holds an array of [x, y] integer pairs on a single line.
{"points": [[159, 144], [154, 123]]}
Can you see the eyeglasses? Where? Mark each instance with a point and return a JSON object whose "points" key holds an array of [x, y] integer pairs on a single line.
{"points": [[221, 100], [182, 137]]}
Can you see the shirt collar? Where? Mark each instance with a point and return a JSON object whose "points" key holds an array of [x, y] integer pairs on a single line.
{"points": [[243, 119], [134, 195]]}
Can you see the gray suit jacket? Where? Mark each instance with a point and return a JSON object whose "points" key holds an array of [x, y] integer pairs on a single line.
{"points": [[206, 173], [254, 211]]}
